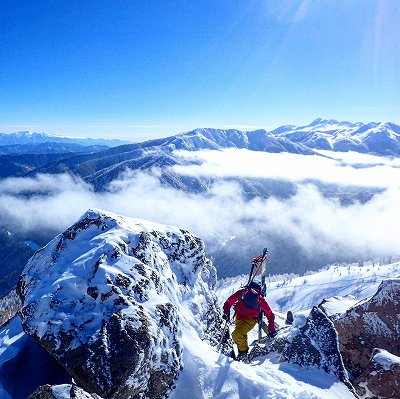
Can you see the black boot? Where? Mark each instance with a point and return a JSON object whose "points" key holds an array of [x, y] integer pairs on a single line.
{"points": [[289, 318], [243, 356]]}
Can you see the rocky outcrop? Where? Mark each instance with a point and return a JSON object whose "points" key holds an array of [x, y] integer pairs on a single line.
{"points": [[315, 343], [309, 341], [372, 324], [381, 379], [109, 308], [65, 391]]}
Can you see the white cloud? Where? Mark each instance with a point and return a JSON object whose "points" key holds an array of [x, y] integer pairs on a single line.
{"points": [[43, 202], [352, 169], [317, 224]]}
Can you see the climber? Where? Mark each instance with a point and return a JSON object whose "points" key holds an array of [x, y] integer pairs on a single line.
{"points": [[249, 304]]}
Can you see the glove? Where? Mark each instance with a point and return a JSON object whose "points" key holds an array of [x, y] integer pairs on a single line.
{"points": [[225, 316], [272, 334]]}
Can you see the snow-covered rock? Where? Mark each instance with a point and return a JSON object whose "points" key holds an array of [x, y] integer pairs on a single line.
{"points": [[313, 341], [108, 298], [385, 359], [64, 391], [337, 305], [382, 376], [374, 323]]}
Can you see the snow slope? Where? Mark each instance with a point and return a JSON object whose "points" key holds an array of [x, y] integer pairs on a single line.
{"points": [[301, 293], [209, 375]]}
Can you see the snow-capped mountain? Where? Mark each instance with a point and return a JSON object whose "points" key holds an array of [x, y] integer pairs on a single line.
{"points": [[101, 168], [377, 138]]}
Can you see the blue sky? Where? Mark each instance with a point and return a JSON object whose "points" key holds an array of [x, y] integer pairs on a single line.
{"points": [[149, 68]]}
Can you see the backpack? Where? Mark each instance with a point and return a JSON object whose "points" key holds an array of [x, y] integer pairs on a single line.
{"points": [[250, 299]]}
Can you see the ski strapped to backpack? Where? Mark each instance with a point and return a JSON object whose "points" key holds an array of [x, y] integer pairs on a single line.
{"points": [[259, 263]]}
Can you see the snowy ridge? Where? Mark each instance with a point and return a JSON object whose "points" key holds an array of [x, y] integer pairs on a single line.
{"points": [[380, 138], [348, 283], [157, 264]]}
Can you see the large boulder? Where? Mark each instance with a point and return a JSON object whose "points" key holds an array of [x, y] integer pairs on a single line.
{"points": [[313, 341], [382, 377], [309, 341], [107, 299], [369, 325]]}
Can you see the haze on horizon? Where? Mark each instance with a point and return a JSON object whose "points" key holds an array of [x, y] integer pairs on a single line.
{"points": [[139, 70]]}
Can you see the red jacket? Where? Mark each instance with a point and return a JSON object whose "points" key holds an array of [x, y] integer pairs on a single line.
{"points": [[246, 313]]}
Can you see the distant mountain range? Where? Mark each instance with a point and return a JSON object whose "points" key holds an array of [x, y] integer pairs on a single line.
{"points": [[327, 134], [22, 152], [99, 165], [27, 137], [50, 147], [102, 167]]}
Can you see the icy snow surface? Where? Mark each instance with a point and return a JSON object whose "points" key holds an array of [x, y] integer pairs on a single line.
{"points": [[209, 375], [10, 334]]}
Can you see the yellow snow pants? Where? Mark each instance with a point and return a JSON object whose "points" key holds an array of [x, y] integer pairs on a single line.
{"points": [[239, 335]]}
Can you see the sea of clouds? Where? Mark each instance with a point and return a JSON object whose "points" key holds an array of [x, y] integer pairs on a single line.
{"points": [[318, 225]]}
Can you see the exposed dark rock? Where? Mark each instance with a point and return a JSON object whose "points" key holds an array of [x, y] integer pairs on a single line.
{"points": [[372, 324], [381, 378]]}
